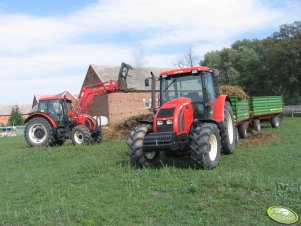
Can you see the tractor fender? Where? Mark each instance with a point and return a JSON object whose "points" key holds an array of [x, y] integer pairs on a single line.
{"points": [[219, 109], [42, 115]]}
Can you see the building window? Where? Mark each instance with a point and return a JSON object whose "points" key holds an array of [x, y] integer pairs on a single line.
{"points": [[146, 105]]}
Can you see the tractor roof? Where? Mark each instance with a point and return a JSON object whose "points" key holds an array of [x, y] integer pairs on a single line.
{"points": [[55, 98], [185, 70]]}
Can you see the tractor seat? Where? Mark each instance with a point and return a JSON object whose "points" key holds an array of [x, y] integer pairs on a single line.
{"points": [[194, 96]]}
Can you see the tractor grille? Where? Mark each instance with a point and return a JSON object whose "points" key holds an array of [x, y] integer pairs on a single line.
{"points": [[166, 112], [158, 139], [165, 127]]}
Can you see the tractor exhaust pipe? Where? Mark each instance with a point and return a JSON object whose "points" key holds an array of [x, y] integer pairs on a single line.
{"points": [[153, 89], [153, 102], [123, 73]]}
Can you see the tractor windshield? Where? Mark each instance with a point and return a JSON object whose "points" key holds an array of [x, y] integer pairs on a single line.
{"points": [[189, 86]]}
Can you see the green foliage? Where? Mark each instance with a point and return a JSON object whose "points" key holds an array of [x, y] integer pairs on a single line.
{"points": [[96, 185], [15, 117], [270, 66]]}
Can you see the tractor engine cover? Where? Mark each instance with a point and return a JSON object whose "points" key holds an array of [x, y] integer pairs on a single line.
{"points": [[174, 116]]}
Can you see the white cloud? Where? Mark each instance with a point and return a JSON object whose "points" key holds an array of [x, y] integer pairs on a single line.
{"points": [[43, 53]]}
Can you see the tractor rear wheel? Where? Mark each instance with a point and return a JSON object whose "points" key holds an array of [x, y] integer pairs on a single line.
{"points": [[256, 125], [138, 157], [80, 135], [275, 122], [206, 146], [228, 130], [39, 132]]}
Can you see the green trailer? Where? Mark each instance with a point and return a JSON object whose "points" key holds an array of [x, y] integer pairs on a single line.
{"points": [[266, 105], [256, 110]]}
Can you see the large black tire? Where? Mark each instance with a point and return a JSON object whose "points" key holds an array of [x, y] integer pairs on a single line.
{"points": [[39, 132], [206, 146], [256, 125], [275, 122], [228, 130], [97, 137], [80, 135], [138, 157], [242, 130]]}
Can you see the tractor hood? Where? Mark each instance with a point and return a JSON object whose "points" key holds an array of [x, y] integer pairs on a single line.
{"points": [[174, 116]]}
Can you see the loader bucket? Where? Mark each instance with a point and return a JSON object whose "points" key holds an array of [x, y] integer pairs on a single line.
{"points": [[123, 73]]}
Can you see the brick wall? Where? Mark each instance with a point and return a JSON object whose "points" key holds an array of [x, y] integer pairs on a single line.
{"points": [[4, 119], [122, 105]]}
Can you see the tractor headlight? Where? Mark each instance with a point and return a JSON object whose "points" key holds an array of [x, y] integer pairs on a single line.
{"points": [[159, 123], [169, 122]]}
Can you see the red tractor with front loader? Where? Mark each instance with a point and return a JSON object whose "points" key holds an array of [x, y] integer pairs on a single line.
{"points": [[192, 118], [55, 121]]}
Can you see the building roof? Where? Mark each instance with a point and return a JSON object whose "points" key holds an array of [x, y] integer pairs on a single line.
{"points": [[136, 78], [6, 109]]}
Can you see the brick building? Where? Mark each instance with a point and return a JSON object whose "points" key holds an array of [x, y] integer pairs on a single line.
{"points": [[5, 111], [120, 105]]}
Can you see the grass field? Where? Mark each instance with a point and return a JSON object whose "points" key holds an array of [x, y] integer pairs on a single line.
{"points": [[95, 185]]}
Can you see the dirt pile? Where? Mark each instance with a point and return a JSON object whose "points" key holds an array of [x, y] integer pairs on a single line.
{"points": [[233, 91], [257, 139], [121, 129]]}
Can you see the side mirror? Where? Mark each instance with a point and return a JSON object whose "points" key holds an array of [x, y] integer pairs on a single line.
{"points": [[146, 82]]}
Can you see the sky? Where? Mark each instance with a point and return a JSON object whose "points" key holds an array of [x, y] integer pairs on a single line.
{"points": [[47, 46]]}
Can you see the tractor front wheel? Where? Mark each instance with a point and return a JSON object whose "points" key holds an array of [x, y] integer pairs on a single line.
{"points": [[206, 146], [39, 132], [138, 157], [80, 135]]}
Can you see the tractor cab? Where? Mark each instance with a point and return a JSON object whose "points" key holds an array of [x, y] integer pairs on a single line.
{"points": [[197, 84], [57, 107]]}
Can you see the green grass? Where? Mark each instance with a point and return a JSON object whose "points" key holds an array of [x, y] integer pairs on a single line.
{"points": [[95, 185]]}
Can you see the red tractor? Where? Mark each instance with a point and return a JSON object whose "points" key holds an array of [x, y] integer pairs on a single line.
{"points": [[55, 121], [192, 118]]}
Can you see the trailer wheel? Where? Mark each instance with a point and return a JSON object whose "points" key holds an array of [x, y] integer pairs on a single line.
{"points": [[80, 135], [256, 125], [228, 130], [206, 146], [138, 157], [275, 122], [38, 132], [242, 130]]}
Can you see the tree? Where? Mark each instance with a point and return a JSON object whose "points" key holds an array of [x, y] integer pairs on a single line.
{"points": [[187, 60], [271, 66], [15, 117]]}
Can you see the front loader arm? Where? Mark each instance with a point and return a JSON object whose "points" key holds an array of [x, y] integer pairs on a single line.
{"points": [[88, 93]]}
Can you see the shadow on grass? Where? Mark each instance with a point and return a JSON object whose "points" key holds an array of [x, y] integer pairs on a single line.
{"points": [[180, 162]]}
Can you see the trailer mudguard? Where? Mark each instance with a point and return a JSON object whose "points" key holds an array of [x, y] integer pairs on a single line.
{"points": [[42, 115]]}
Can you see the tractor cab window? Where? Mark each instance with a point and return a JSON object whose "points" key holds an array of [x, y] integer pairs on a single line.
{"points": [[189, 86], [209, 85], [53, 108], [43, 106]]}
